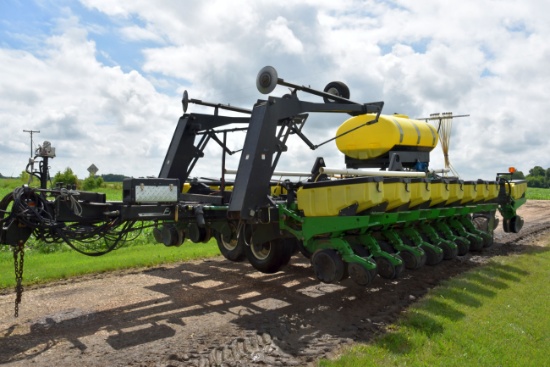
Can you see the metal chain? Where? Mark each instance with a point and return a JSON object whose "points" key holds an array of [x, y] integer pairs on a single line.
{"points": [[18, 262]]}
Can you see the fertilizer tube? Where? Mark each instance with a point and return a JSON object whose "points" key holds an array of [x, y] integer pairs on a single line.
{"points": [[276, 173], [353, 172]]}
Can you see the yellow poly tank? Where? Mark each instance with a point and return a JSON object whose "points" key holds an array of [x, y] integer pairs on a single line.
{"points": [[517, 189], [396, 192], [456, 191], [439, 192], [482, 189], [420, 191], [494, 189], [470, 192], [371, 141], [328, 198]]}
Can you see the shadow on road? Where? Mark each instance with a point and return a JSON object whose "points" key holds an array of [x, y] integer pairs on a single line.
{"points": [[290, 309]]}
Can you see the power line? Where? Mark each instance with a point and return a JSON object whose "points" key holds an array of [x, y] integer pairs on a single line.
{"points": [[31, 132]]}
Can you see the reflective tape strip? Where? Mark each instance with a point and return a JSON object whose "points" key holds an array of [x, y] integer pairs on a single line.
{"points": [[401, 135], [417, 133]]}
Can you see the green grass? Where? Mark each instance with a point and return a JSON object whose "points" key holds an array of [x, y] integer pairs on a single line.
{"points": [[41, 268], [537, 194], [496, 315], [48, 262]]}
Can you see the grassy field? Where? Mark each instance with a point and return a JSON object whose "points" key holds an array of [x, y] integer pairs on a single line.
{"points": [[537, 194], [496, 315], [47, 262], [41, 268]]}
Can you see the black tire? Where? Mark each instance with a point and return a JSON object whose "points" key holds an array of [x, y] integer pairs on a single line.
{"points": [[516, 224], [231, 249], [6, 205], [387, 270], [411, 260], [476, 243], [506, 225], [359, 274], [5, 210], [328, 266], [482, 224], [268, 257], [463, 246], [338, 89], [432, 257], [449, 251]]}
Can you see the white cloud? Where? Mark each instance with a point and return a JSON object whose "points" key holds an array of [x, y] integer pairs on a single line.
{"points": [[281, 37], [136, 33], [90, 112], [483, 58]]}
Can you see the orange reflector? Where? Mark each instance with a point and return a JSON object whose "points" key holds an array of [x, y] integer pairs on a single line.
{"points": [[512, 169]]}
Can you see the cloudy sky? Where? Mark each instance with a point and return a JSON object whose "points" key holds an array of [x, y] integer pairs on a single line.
{"points": [[102, 79]]}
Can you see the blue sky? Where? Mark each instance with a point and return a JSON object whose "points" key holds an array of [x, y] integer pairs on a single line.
{"points": [[102, 79]]}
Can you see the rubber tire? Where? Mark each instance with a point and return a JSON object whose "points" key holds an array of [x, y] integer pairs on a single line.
{"points": [[341, 89], [276, 256], [516, 224], [387, 270], [506, 225], [476, 245], [233, 252], [412, 261], [463, 245], [328, 266], [359, 274], [432, 257], [448, 252]]}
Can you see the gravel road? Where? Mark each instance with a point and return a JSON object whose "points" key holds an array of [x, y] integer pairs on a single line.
{"points": [[218, 313]]}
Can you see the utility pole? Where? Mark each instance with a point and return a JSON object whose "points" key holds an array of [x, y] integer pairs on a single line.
{"points": [[31, 132]]}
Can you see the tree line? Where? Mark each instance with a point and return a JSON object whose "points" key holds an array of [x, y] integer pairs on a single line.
{"points": [[68, 177], [537, 177]]}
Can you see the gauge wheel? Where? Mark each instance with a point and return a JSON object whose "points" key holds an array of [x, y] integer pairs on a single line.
{"points": [[338, 89], [433, 257], [268, 257], [328, 266], [230, 247], [387, 270]]}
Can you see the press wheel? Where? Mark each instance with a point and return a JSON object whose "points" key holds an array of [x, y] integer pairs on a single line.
{"points": [[387, 270], [328, 266], [433, 257], [268, 257], [359, 274]]}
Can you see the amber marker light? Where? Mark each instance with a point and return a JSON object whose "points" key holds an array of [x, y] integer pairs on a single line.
{"points": [[512, 169]]}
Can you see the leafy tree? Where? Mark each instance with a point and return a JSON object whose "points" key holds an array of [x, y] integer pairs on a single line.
{"points": [[24, 176], [92, 182], [537, 171], [535, 181], [67, 177], [538, 177], [111, 177], [518, 175]]}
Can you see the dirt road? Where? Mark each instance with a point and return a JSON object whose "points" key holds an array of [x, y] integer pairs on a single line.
{"points": [[214, 312]]}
